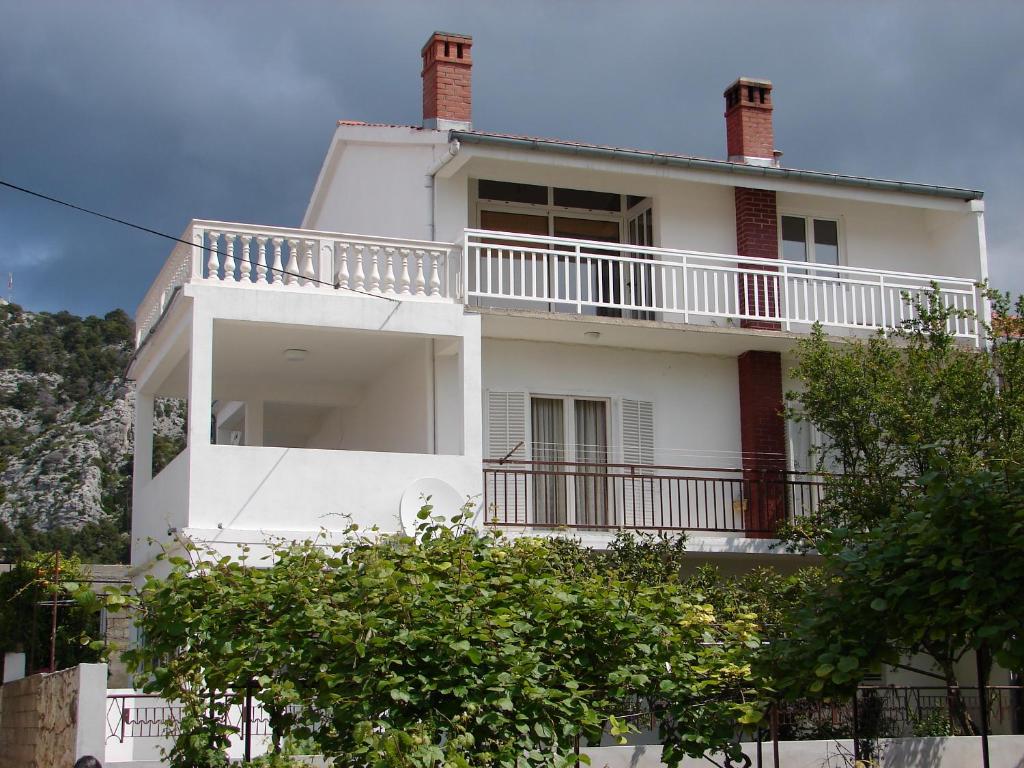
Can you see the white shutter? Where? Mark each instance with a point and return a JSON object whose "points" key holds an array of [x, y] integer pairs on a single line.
{"points": [[637, 432], [639, 496], [506, 484], [506, 425]]}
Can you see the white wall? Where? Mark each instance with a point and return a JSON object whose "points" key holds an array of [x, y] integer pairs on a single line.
{"points": [[696, 397], [896, 237], [395, 413], [375, 182], [159, 505], [252, 488]]}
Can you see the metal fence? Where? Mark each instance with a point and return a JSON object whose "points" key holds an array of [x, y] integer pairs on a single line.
{"points": [[609, 497]]}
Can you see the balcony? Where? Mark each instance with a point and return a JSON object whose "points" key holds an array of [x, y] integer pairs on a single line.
{"points": [[556, 275], [612, 497], [612, 279]]}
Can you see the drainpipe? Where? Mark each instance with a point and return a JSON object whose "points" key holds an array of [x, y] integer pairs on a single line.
{"points": [[453, 149]]}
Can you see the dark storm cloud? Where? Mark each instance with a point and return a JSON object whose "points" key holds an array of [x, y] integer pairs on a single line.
{"points": [[160, 112]]}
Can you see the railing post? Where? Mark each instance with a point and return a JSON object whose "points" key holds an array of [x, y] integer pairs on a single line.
{"points": [[197, 251], [686, 289], [881, 298], [325, 267], [785, 294], [247, 723], [981, 659], [579, 284]]}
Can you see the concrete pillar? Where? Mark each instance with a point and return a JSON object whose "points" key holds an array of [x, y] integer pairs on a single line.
{"points": [[91, 716], [200, 380], [254, 422], [143, 466], [14, 666]]}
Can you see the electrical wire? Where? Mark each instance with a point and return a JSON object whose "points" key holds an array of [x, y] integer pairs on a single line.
{"points": [[172, 238]]}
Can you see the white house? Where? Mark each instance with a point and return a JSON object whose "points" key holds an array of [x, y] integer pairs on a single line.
{"points": [[574, 336]]}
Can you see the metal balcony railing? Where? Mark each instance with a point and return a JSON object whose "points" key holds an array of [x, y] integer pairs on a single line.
{"points": [[612, 497]]}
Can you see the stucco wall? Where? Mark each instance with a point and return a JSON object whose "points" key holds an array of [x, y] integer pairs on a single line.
{"points": [[50, 720], [958, 752], [696, 397]]}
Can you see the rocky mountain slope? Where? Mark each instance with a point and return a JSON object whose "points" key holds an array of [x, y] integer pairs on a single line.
{"points": [[66, 433]]}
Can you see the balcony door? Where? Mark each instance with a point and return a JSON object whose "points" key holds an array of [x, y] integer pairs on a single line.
{"points": [[599, 278], [569, 447]]}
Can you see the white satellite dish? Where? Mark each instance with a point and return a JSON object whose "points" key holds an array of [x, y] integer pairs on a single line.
{"points": [[443, 498]]}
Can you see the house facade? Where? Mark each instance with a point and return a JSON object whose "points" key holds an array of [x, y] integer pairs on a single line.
{"points": [[570, 336]]}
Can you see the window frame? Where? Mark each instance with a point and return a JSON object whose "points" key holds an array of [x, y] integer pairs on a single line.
{"points": [[569, 421], [809, 217]]}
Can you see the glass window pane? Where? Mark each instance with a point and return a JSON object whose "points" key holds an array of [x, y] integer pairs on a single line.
{"points": [[587, 229], [794, 238], [510, 192], [826, 241], [520, 223], [583, 198]]}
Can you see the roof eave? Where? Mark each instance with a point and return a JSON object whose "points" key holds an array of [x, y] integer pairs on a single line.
{"points": [[717, 166]]}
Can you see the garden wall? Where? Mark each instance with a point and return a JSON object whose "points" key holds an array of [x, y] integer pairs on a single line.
{"points": [[953, 752], [50, 720]]}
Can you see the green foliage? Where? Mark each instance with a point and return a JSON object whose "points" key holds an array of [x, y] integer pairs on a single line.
{"points": [[26, 624], [922, 534], [103, 541], [451, 648]]}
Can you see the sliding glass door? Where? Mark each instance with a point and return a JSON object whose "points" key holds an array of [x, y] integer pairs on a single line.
{"points": [[570, 453]]}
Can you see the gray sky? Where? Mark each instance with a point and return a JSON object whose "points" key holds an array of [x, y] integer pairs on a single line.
{"points": [[159, 112]]}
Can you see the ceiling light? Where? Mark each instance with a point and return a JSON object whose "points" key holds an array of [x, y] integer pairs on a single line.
{"points": [[295, 354], [592, 334]]}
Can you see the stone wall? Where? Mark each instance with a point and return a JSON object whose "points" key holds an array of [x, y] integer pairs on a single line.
{"points": [[50, 720]]}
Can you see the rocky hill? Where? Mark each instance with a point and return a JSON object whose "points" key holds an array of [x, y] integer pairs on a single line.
{"points": [[66, 433]]}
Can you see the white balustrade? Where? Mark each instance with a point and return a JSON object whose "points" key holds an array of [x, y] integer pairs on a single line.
{"points": [[585, 277], [556, 274]]}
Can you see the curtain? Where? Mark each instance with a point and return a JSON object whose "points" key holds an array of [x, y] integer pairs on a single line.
{"points": [[548, 423], [592, 452]]}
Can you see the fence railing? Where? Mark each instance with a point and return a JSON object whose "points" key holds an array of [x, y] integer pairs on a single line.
{"points": [[895, 711], [265, 257], [557, 274], [591, 277], [610, 497], [149, 716]]}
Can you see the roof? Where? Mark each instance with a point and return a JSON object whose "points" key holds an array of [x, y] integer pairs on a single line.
{"points": [[602, 151], [379, 125]]}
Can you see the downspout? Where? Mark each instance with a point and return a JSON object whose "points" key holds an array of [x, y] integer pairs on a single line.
{"points": [[453, 149]]}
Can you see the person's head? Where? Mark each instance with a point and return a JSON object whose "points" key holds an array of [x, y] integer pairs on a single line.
{"points": [[88, 762]]}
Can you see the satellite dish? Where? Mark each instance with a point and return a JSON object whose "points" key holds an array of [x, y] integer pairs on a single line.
{"points": [[442, 497]]}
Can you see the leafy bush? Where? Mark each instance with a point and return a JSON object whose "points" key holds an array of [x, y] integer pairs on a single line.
{"points": [[455, 647]]}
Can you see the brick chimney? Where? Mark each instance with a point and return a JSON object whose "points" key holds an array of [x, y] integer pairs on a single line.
{"points": [[447, 81], [748, 122]]}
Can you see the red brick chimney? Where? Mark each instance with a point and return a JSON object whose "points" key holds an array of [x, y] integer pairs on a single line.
{"points": [[748, 122], [447, 81]]}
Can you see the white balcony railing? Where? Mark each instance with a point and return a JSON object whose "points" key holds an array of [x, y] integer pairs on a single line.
{"points": [[584, 277], [297, 259], [556, 274]]}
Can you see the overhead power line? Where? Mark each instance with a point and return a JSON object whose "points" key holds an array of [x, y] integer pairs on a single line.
{"points": [[158, 233]]}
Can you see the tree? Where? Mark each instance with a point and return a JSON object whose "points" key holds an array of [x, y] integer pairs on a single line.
{"points": [[26, 595], [918, 529], [452, 648]]}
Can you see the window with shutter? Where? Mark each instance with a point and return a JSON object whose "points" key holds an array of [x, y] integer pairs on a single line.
{"points": [[505, 484], [506, 425], [640, 495]]}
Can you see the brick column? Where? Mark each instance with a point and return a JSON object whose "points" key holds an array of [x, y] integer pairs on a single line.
{"points": [[757, 234], [763, 441]]}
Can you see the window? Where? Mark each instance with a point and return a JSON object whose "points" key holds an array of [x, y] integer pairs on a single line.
{"points": [[809, 239], [570, 435]]}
